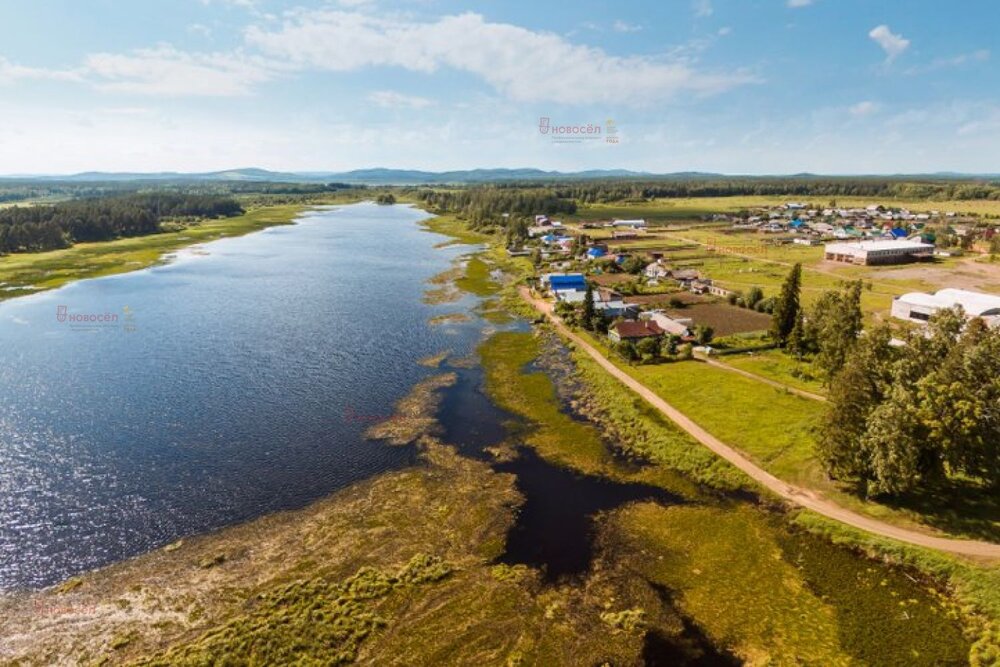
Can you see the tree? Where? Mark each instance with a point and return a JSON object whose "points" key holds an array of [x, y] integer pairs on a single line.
{"points": [[648, 348], [836, 323], [786, 307], [754, 296], [900, 419], [627, 350], [894, 442], [798, 340], [703, 334], [855, 391], [633, 264], [668, 345], [589, 311]]}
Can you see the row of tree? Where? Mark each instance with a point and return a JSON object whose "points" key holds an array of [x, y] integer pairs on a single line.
{"points": [[900, 416], [634, 190], [37, 228], [905, 417]]}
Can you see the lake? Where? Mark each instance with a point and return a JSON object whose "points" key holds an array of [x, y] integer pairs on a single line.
{"points": [[232, 382]]}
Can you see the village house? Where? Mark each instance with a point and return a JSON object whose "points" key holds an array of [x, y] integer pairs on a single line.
{"points": [[680, 327], [656, 271], [634, 330], [607, 302], [564, 282]]}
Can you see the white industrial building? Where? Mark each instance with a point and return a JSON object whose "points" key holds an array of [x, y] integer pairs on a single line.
{"points": [[878, 252], [919, 306], [634, 224]]}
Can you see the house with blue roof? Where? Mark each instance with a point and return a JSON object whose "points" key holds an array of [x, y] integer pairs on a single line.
{"points": [[565, 282]]}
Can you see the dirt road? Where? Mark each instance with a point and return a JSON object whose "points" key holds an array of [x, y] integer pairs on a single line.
{"points": [[797, 495]]}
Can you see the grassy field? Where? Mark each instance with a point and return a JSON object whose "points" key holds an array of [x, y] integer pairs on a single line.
{"points": [[28, 273], [772, 426], [777, 429], [778, 366]]}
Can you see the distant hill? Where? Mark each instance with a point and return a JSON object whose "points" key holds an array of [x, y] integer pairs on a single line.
{"points": [[375, 176], [385, 176]]}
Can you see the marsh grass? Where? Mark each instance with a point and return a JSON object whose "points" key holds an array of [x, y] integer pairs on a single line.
{"points": [[415, 413]]}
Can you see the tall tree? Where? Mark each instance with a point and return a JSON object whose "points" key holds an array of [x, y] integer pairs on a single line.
{"points": [[589, 310], [786, 307], [860, 386], [836, 324]]}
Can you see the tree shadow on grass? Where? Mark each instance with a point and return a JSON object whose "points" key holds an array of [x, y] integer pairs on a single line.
{"points": [[960, 507]]}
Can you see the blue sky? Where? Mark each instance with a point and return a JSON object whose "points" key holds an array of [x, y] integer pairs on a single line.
{"points": [[734, 86]]}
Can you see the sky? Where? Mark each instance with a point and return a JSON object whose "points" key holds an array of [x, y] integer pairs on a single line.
{"points": [[730, 86]]}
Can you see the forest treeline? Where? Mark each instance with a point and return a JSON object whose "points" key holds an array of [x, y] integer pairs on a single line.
{"points": [[610, 191], [483, 207], [37, 228]]}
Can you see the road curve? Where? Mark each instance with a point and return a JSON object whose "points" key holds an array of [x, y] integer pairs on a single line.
{"points": [[790, 492]]}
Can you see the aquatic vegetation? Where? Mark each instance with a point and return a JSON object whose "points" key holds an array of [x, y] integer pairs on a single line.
{"points": [[776, 598], [450, 318], [414, 415], [556, 435], [395, 548], [476, 278], [435, 360], [309, 621]]}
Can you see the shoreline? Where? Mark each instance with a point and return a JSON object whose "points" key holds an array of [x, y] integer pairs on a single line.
{"points": [[206, 563], [54, 269]]}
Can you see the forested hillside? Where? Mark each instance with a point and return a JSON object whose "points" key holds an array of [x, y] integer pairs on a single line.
{"points": [[37, 228]]}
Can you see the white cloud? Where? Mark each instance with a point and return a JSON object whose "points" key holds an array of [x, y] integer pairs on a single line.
{"points": [[979, 56], [723, 31], [622, 26], [864, 108], [199, 29], [891, 43], [702, 8], [390, 99], [522, 64], [795, 4], [165, 70], [11, 72]]}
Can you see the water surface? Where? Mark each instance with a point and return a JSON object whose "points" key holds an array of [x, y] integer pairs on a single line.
{"points": [[238, 382]]}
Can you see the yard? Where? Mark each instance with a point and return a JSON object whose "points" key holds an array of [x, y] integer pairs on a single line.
{"points": [[724, 319], [781, 367], [772, 426]]}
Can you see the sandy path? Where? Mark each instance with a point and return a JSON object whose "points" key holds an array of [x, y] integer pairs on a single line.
{"points": [[797, 495]]}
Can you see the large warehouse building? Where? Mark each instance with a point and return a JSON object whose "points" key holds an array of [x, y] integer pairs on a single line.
{"points": [[918, 306], [879, 252]]}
